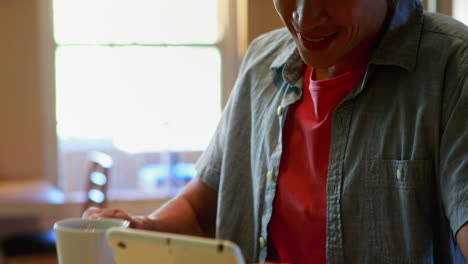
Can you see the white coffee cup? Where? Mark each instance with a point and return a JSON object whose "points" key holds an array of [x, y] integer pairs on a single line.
{"points": [[84, 240]]}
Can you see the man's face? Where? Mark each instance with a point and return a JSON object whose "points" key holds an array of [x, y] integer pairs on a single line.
{"points": [[333, 32]]}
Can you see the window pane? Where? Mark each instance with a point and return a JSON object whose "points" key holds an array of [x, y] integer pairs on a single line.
{"points": [[135, 21], [142, 98], [460, 10]]}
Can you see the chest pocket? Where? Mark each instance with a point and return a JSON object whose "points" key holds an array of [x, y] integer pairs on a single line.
{"points": [[400, 208]]}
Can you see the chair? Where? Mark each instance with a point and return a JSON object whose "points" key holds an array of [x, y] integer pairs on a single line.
{"points": [[43, 242], [98, 178]]}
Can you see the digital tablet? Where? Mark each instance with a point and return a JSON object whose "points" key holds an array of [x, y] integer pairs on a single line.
{"points": [[133, 246]]}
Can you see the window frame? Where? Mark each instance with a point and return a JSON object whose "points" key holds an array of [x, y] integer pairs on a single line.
{"points": [[53, 172]]}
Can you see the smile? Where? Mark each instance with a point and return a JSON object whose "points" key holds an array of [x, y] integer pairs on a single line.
{"points": [[316, 43], [316, 40]]}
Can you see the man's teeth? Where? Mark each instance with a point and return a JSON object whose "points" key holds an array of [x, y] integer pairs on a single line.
{"points": [[315, 40]]}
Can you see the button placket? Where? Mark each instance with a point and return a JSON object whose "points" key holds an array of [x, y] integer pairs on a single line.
{"points": [[339, 134]]}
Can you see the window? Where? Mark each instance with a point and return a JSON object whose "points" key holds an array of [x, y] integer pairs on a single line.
{"points": [[142, 81], [460, 10]]}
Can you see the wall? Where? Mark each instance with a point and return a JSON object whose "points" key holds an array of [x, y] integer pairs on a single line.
{"points": [[255, 17], [20, 134], [27, 119]]}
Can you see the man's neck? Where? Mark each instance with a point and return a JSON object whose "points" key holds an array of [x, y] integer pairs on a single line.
{"points": [[357, 57]]}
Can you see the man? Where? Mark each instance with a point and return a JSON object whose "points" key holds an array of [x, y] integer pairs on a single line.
{"points": [[345, 140]]}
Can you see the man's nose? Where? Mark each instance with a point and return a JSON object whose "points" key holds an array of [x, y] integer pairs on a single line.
{"points": [[310, 13]]}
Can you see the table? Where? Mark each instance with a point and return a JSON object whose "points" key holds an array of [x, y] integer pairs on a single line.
{"points": [[29, 197]]}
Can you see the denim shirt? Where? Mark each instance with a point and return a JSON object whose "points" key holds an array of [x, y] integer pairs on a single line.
{"points": [[397, 189]]}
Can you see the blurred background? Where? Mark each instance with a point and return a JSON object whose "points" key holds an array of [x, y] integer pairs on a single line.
{"points": [[142, 82]]}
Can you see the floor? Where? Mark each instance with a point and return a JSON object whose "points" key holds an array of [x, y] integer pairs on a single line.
{"points": [[39, 259]]}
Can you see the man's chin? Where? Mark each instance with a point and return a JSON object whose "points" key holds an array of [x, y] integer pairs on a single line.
{"points": [[318, 63]]}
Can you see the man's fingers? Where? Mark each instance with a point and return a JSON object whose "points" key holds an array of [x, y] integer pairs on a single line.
{"points": [[90, 212], [95, 213], [137, 222]]}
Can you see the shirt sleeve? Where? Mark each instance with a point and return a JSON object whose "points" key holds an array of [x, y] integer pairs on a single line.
{"points": [[454, 155], [208, 166]]}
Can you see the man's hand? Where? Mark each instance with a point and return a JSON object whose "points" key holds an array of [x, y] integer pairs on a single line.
{"points": [[462, 240], [192, 212], [138, 222]]}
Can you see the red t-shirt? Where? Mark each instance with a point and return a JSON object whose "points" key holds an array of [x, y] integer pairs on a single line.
{"points": [[299, 221]]}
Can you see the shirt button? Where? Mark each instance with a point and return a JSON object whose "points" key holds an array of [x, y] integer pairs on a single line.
{"points": [[280, 110], [262, 242], [398, 174], [270, 176]]}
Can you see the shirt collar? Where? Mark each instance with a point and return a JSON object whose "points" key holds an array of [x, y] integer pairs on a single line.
{"points": [[399, 44], [290, 50]]}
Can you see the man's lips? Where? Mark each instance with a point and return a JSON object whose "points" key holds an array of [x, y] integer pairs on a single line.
{"points": [[318, 38], [316, 42]]}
